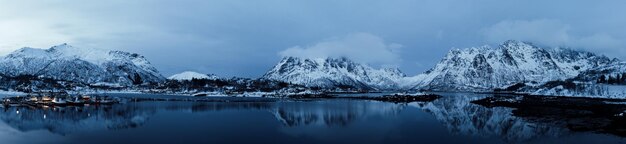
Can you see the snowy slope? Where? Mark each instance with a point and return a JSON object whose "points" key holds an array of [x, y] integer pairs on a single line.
{"points": [[580, 90], [189, 75], [612, 71], [484, 68], [333, 72], [589, 83], [86, 65]]}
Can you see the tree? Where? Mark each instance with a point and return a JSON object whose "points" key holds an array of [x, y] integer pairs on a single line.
{"points": [[611, 79], [602, 79]]}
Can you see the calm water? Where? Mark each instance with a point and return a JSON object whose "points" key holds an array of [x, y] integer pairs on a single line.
{"points": [[451, 119]]}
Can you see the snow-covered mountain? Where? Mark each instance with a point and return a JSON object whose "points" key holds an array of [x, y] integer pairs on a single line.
{"points": [[485, 68], [189, 75], [332, 73], [85, 65]]}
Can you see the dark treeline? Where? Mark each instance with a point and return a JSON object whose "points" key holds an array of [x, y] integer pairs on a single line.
{"points": [[612, 79], [226, 85], [31, 83]]}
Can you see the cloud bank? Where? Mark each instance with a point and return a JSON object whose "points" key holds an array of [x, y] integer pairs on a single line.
{"points": [[242, 37], [548, 32], [360, 47], [552, 33]]}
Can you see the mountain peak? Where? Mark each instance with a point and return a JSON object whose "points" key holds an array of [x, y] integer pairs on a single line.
{"points": [[64, 48], [189, 75], [60, 46], [71, 51], [394, 70], [318, 59], [511, 41], [333, 72], [514, 44]]}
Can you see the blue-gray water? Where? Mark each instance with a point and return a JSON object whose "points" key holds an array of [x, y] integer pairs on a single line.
{"points": [[451, 119]]}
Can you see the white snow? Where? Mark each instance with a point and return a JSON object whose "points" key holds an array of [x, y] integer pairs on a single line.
{"points": [[87, 65], [588, 90], [97, 56], [329, 72], [409, 94], [106, 84], [484, 68], [473, 69], [10, 93], [189, 75]]}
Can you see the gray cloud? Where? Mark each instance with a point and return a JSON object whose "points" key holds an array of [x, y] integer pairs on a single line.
{"points": [[548, 32], [553, 33], [361, 47], [242, 37], [602, 43]]}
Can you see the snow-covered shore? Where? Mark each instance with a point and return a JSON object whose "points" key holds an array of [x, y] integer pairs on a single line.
{"points": [[10, 93], [588, 90]]}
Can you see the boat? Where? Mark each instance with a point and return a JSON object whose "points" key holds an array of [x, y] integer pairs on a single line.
{"points": [[74, 100], [32, 99], [200, 94], [14, 101], [59, 100], [108, 100], [45, 99], [85, 98], [6, 101]]}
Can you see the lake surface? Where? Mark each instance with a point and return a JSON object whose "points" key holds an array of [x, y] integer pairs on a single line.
{"points": [[451, 119]]}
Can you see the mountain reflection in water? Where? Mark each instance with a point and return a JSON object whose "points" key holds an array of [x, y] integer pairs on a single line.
{"points": [[72, 119], [452, 118], [464, 118]]}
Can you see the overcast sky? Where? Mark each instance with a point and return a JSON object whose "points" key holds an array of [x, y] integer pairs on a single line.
{"points": [[247, 37]]}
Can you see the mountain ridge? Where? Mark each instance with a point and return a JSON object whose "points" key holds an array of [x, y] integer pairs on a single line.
{"points": [[334, 72], [189, 75], [85, 65], [485, 68], [475, 69]]}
